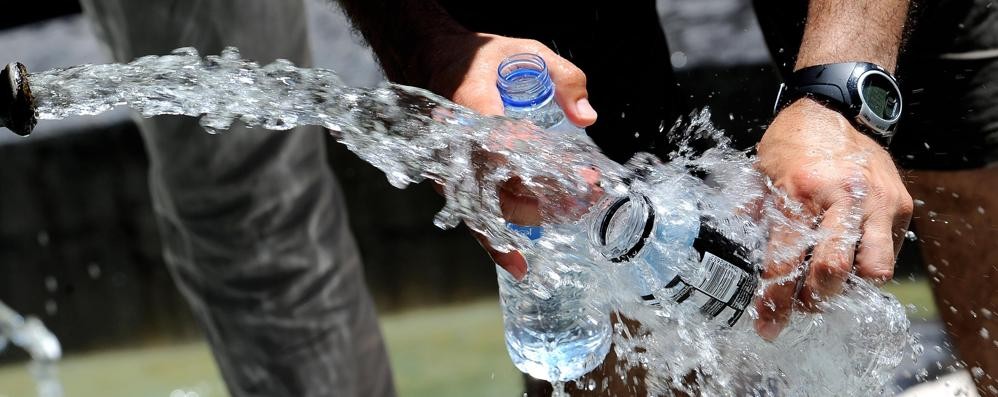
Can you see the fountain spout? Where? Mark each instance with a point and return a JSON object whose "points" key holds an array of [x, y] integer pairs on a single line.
{"points": [[17, 105]]}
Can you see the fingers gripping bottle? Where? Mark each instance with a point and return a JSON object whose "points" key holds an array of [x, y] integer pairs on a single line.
{"points": [[553, 331]]}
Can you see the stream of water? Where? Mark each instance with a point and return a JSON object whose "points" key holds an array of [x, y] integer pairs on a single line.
{"points": [[851, 348], [43, 348]]}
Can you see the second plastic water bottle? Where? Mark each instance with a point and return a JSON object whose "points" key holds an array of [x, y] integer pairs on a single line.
{"points": [[553, 330]]}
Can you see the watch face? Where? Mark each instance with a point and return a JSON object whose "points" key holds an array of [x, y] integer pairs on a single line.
{"points": [[881, 96]]}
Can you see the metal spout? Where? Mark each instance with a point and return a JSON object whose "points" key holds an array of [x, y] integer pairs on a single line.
{"points": [[17, 105]]}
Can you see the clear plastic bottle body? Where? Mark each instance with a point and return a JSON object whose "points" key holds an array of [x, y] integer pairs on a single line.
{"points": [[553, 330]]}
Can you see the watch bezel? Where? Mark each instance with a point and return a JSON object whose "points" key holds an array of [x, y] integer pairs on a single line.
{"points": [[866, 114]]}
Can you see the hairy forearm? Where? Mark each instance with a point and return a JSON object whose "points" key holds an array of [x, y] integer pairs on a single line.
{"points": [[853, 30], [398, 30]]}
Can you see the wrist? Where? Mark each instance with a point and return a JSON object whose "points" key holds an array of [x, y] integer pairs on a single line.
{"points": [[818, 124], [807, 109]]}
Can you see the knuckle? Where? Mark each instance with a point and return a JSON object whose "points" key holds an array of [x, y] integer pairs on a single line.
{"points": [[804, 183], [877, 276], [832, 269], [880, 195], [906, 206], [533, 44], [777, 302], [855, 184], [524, 45], [574, 73], [567, 74]]}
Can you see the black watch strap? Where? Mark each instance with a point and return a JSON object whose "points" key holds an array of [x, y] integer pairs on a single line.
{"points": [[837, 86]]}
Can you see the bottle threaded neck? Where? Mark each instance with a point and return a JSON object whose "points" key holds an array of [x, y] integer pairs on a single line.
{"points": [[524, 81], [623, 227]]}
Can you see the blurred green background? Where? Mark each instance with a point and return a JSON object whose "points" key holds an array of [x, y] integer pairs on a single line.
{"points": [[446, 351], [453, 350]]}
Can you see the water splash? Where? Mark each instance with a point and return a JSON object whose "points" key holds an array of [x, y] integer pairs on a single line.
{"points": [[413, 135], [42, 346]]}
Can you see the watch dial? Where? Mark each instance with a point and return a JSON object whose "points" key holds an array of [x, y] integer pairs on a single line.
{"points": [[881, 96]]}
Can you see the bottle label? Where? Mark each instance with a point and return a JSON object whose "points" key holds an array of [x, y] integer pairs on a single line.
{"points": [[719, 279], [533, 233], [725, 282]]}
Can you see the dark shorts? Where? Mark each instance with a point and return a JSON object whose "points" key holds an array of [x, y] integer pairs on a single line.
{"points": [[949, 71]]}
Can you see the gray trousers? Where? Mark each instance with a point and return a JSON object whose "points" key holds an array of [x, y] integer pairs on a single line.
{"points": [[253, 224]]}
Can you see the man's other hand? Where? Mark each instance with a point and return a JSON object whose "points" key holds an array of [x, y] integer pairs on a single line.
{"points": [[851, 185]]}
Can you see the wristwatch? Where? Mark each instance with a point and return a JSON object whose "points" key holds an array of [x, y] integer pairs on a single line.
{"points": [[863, 92]]}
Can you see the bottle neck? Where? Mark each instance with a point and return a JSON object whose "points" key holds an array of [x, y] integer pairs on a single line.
{"points": [[527, 91], [621, 226]]}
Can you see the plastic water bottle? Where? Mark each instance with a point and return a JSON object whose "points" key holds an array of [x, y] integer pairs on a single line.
{"points": [[553, 330], [674, 255]]}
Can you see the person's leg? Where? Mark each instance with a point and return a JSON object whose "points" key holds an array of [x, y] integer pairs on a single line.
{"points": [[952, 128], [958, 228], [253, 225]]}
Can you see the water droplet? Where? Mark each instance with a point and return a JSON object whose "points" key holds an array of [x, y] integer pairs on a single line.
{"points": [[51, 307], [980, 210], [93, 269], [678, 59], [231, 54], [186, 51], [43, 238], [918, 203], [51, 284], [986, 313], [910, 236], [984, 333]]}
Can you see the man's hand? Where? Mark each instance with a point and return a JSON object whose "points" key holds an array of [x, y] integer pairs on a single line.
{"points": [[463, 67], [850, 183]]}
